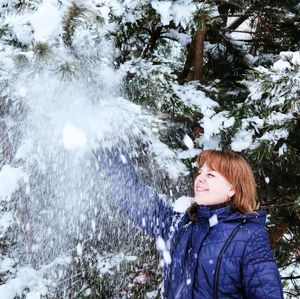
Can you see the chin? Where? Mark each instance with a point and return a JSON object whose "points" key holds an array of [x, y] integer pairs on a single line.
{"points": [[201, 201]]}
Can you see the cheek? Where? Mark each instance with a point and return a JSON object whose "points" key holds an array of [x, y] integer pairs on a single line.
{"points": [[195, 182]]}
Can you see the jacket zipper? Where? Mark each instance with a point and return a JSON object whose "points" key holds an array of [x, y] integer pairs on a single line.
{"points": [[218, 266]]}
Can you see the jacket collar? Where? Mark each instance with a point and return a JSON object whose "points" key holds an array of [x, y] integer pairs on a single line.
{"points": [[224, 213]]}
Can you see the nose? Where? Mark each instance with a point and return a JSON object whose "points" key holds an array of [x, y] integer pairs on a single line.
{"points": [[200, 178]]}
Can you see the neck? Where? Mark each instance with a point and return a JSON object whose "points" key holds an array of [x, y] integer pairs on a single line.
{"points": [[219, 205]]}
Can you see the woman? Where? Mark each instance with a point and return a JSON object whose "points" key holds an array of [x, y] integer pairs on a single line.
{"points": [[219, 248]]}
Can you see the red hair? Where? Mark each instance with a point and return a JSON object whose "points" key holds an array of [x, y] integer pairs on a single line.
{"points": [[237, 171]]}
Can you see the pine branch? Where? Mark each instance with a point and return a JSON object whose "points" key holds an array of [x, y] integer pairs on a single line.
{"points": [[233, 30], [232, 4], [289, 263], [239, 21], [232, 15], [271, 206], [73, 18], [290, 277], [155, 35]]}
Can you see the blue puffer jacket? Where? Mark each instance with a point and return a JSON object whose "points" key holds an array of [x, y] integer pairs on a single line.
{"points": [[224, 254]]}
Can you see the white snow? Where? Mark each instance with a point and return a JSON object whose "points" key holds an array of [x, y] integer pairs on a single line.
{"points": [[245, 26], [255, 91], [213, 220], [167, 257], [44, 21], [131, 258], [6, 221], [152, 295], [180, 13], [296, 58], [93, 225], [281, 65], [9, 181], [213, 124], [165, 158], [79, 249], [188, 154], [123, 159], [22, 91], [278, 117], [282, 149], [288, 61], [143, 222], [241, 141], [22, 28], [108, 262], [275, 135], [161, 245], [191, 96], [76, 123], [291, 270], [182, 38], [182, 204], [26, 277], [6, 264], [24, 149], [163, 8], [187, 140], [73, 138]]}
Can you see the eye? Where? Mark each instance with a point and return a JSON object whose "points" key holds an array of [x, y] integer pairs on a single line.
{"points": [[210, 175]]}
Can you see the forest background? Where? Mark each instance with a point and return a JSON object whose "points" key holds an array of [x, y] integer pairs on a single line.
{"points": [[223, 74]]}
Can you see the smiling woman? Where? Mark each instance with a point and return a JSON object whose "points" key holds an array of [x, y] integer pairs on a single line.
{"points": [[225, 176], [219, 248], [211, 187]]}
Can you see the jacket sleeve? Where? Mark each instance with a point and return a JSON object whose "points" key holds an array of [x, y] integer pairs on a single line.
{"points": [[261, 277], [141, 203]]}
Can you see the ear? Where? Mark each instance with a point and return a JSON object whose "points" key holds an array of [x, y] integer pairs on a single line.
{"points": [[230, 191]]}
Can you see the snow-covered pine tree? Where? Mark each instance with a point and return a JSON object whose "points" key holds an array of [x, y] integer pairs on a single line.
{"points": [[155, 51]]}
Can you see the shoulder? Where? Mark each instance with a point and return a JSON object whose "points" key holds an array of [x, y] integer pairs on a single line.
{"points": [[258, 245], [252, 229], [251, 224]]}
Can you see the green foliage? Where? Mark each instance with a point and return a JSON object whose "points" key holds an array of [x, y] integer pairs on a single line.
{"points": [[20, 60], [41, 50], [27, 4], [76, 15], [262, 99], [67, 70]]}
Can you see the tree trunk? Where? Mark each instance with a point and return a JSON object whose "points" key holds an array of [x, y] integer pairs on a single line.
{"points": [[199, 54], [193, 68]]}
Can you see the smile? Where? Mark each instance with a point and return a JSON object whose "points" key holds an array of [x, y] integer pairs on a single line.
{"points": [[200, 189]]}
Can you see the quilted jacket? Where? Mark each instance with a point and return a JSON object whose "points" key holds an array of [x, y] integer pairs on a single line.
{"points": [[224, 254]]}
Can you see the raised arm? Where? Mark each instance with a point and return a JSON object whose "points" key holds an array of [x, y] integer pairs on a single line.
{"points": [[260, 273], [141, 203]]}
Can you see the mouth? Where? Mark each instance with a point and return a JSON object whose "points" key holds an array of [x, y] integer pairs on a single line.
{"points": [[201, 189]]}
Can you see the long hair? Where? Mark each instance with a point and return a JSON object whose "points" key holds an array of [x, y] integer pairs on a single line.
{"points": [[237, 171]]}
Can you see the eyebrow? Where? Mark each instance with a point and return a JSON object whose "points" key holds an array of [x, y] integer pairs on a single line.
{"points": [[209, 169]]}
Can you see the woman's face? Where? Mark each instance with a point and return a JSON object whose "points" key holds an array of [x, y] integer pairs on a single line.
{"points": [[211, 187]]}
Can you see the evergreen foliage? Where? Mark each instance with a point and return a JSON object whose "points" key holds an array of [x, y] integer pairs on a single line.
{"points": [[247, 99]]}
